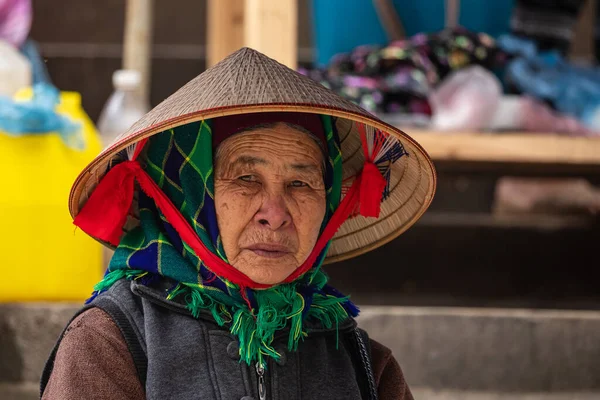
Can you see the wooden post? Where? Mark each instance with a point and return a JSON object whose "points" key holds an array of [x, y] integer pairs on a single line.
{"points": [[225, 30], [390, 20], [138, 41], [452, 13], [582, 43], [271, 27]]}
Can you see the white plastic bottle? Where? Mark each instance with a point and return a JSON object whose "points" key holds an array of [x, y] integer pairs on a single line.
{"points": [[15, 70], [124, 107]]}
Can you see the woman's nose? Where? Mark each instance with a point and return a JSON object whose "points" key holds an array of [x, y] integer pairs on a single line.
{"points": [[273, 212]]}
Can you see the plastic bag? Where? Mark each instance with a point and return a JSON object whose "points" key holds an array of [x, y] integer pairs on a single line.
{"points": [[523, 113], [15, 21], [15, 70], [547, 76], [38, 116], [466, 100]]}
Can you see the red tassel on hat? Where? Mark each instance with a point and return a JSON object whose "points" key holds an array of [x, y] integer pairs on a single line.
{"points": [[373, 183], [105, 212], [372, 186]]}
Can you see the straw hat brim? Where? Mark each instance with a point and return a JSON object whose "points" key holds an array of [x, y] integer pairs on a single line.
{"points": [[249, 82]]}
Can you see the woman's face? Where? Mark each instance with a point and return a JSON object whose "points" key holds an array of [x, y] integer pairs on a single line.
{"points": [[270, 200]]}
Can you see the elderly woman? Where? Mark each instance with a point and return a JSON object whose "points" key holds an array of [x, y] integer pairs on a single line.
{"points": [[223, 203]]}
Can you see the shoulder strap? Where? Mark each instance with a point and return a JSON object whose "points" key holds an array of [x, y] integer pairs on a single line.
{"points": [[140, 359], [361, 358], [133, 343]]}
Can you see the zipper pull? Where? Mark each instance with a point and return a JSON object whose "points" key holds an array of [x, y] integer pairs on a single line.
{"points": [[262, 390]]}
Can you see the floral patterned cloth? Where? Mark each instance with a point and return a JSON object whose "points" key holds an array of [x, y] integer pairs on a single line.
{"points": [[398, 77]]}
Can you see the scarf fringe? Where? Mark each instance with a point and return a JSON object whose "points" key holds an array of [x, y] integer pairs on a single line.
{"points": [[277, 308], [113, 276]]}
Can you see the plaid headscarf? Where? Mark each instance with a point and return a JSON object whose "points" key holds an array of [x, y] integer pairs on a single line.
{"points": [[180, 161]]}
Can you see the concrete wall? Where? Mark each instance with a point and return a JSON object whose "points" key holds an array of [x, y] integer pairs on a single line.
{"points": [[496, 350]]}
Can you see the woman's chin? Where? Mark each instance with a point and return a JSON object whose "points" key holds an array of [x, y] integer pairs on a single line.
{"points": [[269, 269]]}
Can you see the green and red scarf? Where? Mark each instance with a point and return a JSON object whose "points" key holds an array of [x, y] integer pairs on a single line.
{"points": [[180, 162]]}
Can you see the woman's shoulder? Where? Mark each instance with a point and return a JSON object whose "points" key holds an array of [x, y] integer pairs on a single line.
{"points": [[91, 353], [93, 320], [388, 374]]}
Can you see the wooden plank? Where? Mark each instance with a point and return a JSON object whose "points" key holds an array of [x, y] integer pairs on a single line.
{"points": [[225, 30], [138, 41], [509, 148], [271, 27], [539, 222]]}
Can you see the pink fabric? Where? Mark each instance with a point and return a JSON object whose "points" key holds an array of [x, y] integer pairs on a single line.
{"points": [[538, 117], [15, 21]]}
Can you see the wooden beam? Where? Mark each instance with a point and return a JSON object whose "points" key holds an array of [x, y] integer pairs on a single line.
{"points": [[138, 41], [390, 20], [452, 12], [271, 27], [225, 30], [509, 148], [582, 43]]}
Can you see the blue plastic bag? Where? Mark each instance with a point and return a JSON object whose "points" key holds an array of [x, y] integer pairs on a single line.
{"points": [[547, 76], [38, 116]]}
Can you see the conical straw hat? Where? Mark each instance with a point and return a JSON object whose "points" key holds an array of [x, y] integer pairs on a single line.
{"points": [[248, 82]]}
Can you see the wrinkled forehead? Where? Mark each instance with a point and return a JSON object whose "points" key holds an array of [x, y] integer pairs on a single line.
{"points": [[280, 142], [279, 127], [225, 127]]}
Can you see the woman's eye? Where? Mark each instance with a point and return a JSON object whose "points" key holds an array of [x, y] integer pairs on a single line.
{"points": [[247, 178], [298, 184]]}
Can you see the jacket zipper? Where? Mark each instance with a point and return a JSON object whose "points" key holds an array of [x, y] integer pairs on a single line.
{"points": [[262, 388]]}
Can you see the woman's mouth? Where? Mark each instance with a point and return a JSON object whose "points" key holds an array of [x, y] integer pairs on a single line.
{"points": [[269, 250]]}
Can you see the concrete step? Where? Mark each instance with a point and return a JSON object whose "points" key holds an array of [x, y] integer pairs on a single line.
{"points": [[431, 394], [19, 391], [489, 350], [30, 391], [28, 333], [443, 351]]}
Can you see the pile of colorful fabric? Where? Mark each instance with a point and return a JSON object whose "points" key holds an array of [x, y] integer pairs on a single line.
{"points": [[397, 79], [427, 79]]}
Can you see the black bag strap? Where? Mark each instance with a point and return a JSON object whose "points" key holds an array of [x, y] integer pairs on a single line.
{"points": [[140, 358], [361, 357]]}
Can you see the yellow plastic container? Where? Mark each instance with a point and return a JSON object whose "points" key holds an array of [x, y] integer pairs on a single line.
{"points": [[43, 256]]}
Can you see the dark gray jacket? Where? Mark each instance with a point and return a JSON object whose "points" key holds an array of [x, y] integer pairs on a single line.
{"points": [[183, 357]]}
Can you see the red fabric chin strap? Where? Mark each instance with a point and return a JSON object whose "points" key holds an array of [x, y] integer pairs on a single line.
{"points": [[365, 194], [105, 213]]}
